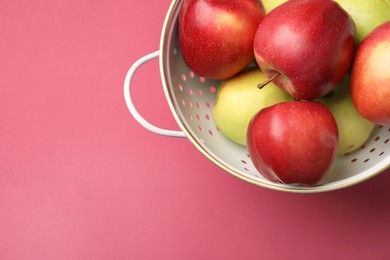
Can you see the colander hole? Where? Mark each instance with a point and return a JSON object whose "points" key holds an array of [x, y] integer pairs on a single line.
{"points": [[200, 128], [191, 118], [366, 160], [183, 77], [192, 74], [198, 116], [175, 52], [207, 116], [190, 92], [190, 103], [211, 132], [208, 105], [388, 130], [377, 138], [183, 103], [386, 141], [244, 162], [180, 87], [353, 160], [362, 147], [197, 104], [246, 169], [202, 79], [213, 90], [199, 92], [372, 150], [381, 153]]}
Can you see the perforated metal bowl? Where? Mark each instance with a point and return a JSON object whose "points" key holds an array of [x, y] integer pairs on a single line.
{"points": [[191, 99]]}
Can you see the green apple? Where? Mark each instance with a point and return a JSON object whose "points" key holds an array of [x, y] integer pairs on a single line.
{"points": [[239, 99], [366, 14], [271, 4], [354, 130]]}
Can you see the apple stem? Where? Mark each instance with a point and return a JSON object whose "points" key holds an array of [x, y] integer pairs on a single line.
{"points": [[265, 83], [329, 94]]}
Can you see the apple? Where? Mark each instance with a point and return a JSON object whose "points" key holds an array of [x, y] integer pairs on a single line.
{"points": [[271, 4], [306, 46], [370, 76], [238, 100], [216, 36], [354, 130], [366, 14], [293, 142]]}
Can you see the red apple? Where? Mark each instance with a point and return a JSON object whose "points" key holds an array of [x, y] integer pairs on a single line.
{"points": [[370, 76], [216, 36], [308, 43], [293, 142]]}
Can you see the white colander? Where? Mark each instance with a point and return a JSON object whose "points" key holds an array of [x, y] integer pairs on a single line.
{"points": [[191, 99]]}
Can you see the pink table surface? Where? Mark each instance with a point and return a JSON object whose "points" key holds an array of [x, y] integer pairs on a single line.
{"points": [[81, 179]]}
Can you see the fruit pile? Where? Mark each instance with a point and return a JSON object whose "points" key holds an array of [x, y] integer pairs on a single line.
{"points": [[301, 80]]}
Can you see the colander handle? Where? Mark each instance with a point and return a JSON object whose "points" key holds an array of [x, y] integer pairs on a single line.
{"points": [[130, 104]]}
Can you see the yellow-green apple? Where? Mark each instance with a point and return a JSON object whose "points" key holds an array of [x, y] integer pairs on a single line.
{"points": [[216, 36], [370, 76], [293, 142], [366, 14], [271, 4], [354, 130], [238, 100], [306, 46]]}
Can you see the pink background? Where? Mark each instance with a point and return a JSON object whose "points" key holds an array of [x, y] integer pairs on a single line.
{"points": [[81, 179]]}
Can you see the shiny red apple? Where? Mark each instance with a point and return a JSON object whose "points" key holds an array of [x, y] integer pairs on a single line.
{"points": [[293, 142], [370, 76], [307, 44], [216, 36]]}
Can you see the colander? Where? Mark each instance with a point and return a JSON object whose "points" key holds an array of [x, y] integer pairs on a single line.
{"points": [[191, 99]]}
